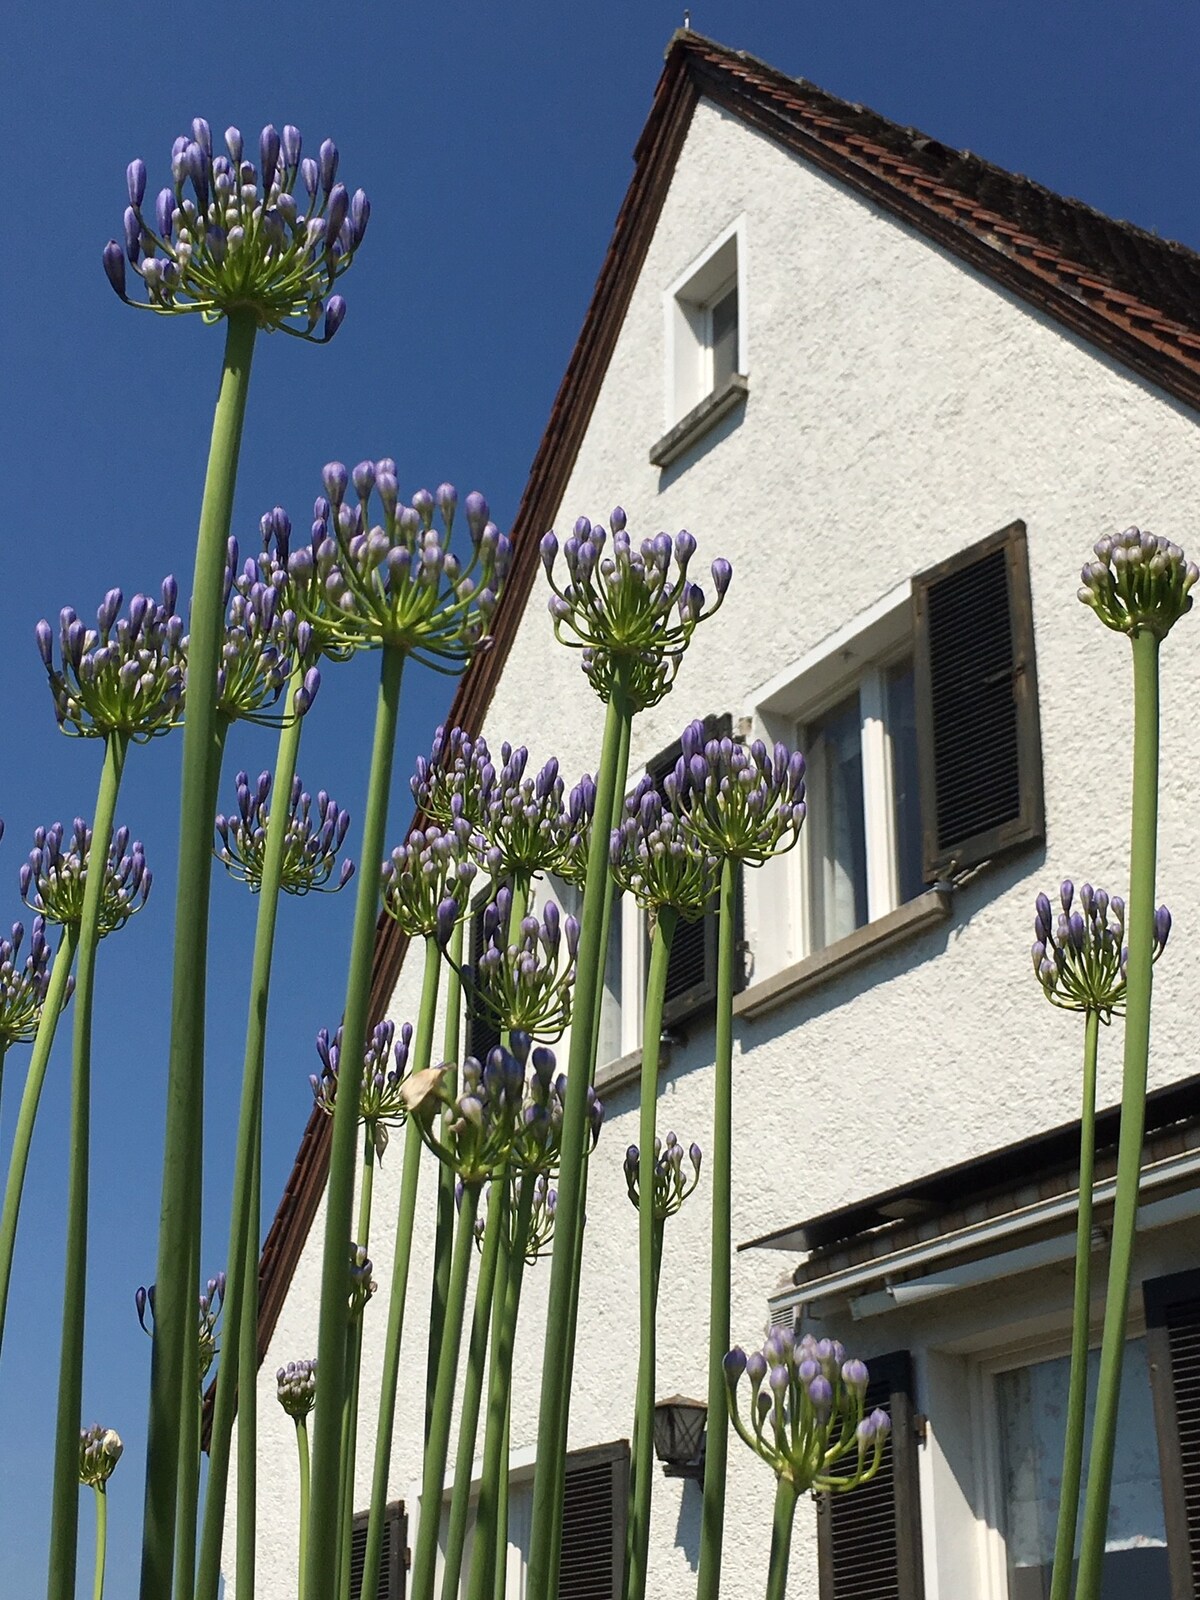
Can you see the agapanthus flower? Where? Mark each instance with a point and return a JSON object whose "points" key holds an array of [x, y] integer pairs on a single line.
{"points": [[807, 1404], [385, 1066], [311, 842], [271, 240], [672, 1184], [426, 882], [396, 582], [54, 878], [522, 822], [264, 641], [362, 1280], [575, 832], [297, 1388], [1138, 580], [739, 801], [525, 982], [1080, 955], [211, 1301], [543, 1206], [632, 611], [126, 675], [23, 984], [660, 861], [99, 1451], [455, 782]]}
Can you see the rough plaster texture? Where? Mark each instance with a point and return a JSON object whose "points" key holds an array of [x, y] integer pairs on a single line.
{"points": [[901, 407]]}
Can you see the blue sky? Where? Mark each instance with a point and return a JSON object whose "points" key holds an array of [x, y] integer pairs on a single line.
{"points": [[495, 143]]}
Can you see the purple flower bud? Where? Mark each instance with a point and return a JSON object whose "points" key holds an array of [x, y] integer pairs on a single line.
{"points": [[114, 266], [1067, 893], [339, 205], [233, 143], [447, 919], [820, 1392], [360, 215], [164, 212], [335, 313], [363, 478], [202, 134], [1162, 926], [289, 145], [45, 641], [722, 572], [268, 156], [135, 178], [328, 164], [735, 1365]]}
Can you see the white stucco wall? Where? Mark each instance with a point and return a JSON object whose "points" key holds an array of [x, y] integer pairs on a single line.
{"points": [[901, 407]]}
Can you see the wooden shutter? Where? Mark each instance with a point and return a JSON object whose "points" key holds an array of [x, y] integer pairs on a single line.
{"points": [[593, 1528], [393, 1560], [978, 737], [869, 1539], [1173, 1347], [482, 1034]]}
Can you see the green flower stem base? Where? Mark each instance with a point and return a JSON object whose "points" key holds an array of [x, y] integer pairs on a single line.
{"points": [[444, 1227], [712, 1516], [64, 1512], [354, 1343], [398, 1296], [35, 1078], [179, 1229], [641, 1478], [302, 1450], [321, 1557], [438, 1449], [101, 1540], [1139, 927], [246, 1535], [1068, 1505], [468, 1424], [558, 1354], [241, 1296], [781, 1539], [500, 1544], [3, 1053]]}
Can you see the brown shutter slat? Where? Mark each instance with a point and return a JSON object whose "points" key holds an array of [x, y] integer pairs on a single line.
{"points": [[593, 1527], [392, 1562], [869, 1539], [1173, 1347], [978, 735]]}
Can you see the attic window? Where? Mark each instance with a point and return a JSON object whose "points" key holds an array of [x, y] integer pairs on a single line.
{"points": [[705, 317]]}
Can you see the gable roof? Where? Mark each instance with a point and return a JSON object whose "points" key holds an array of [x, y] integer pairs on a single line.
{"points": [[1133, 295]]}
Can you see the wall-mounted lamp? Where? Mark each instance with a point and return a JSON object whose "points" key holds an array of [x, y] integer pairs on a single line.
{"points": [[679, 1426]]}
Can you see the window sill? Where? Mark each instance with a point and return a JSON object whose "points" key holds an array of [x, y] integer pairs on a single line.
{"points": [[857, 948], [699, 420]]}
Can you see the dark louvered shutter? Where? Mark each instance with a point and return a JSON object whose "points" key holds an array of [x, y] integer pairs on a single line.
{"points": [[1173, 1346], [978, 736], [482, 1034], [869, 1539], [393, 1556], [593, 1528]]}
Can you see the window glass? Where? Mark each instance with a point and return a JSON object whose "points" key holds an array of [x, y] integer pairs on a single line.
{"points": [[570, 902], [1032, 1405], [906, 792], [724, 316], [836, 827]]}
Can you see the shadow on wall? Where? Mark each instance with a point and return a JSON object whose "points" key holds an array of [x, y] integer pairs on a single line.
{"points": [[720, 431], [687, 1528]]}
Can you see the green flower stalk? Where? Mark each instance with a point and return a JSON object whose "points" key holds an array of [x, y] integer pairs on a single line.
{"points": [[631, 612], [297, 1393], [99, 1451], [741, 804], [1140, 585], [806, 1422]]}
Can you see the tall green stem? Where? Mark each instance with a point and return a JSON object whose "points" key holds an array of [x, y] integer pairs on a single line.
{"points": [[179, 1228], [35, 1078], [1068, 1505], [101, 1540], [322, 1555], [641, 1480], [241, 1297], [246, 1394], [443, 1238], [781, 1539], [438, 1448], [302, 1448], [354, 1342], [712, 1516], [397, 1299], [64, 1512], [468, 1420], [558, 1354], [1140, 929]]}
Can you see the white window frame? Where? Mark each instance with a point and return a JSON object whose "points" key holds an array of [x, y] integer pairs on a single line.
{"points": [[547, 887], [687, 316]]}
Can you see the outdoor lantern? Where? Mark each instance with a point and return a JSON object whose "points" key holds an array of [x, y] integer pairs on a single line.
{"points": [[679, 1436]]}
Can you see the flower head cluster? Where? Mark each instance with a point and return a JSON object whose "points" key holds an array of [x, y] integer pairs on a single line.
{"points": [[658, 860], [270, 240], [543, 1207], [385, 1066], [743, 802], [1080, 955], [362, 1280], [23, 984], [456, 779], [297, 1388], [99, 1451], [672, 1184], [427, 880], [396, 582], [522, 823], [211, 1302], [1138, 580], [54, 878], [310, 845], [525, 984], [125, 675], [264, 640], [813, 1399], [632, 611]]}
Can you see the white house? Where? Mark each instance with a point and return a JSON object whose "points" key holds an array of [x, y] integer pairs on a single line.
{"points": [[903, 391]]}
